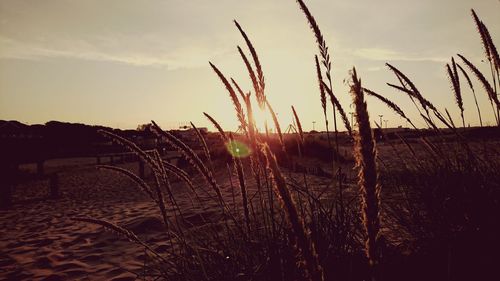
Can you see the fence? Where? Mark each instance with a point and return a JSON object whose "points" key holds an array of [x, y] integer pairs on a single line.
{"points": [[10, 175]]}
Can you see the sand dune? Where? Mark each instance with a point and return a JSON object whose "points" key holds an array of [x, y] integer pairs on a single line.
{"points": [[38, 240]]}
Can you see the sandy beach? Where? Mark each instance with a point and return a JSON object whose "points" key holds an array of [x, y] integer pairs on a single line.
{"points": [[39, 241]]}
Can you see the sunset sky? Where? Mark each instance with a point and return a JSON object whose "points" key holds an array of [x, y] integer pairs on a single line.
{"points": [[123, 63]]}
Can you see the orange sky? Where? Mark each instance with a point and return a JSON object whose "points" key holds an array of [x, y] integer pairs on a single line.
{"points": [[123, 63]]}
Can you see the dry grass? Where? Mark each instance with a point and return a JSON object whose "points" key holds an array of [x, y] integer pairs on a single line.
{"points": [[440, 192], [365, 154]]}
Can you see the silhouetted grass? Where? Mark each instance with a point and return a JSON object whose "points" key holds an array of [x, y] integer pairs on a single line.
{"points": [[429, 213]]}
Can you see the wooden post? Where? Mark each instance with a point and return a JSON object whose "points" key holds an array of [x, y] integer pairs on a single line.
{"points": [[111, 160], [39, 167], [54, 186], [98, 160], [7, 182], [141, 169]]}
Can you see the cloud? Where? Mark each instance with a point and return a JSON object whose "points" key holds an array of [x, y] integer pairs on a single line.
{"points": [[178, 58], [380, 54], [374, 68], [12, 49]]}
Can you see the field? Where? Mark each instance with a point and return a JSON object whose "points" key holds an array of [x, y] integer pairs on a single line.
{"points": [[39, 241], [366, 203]]}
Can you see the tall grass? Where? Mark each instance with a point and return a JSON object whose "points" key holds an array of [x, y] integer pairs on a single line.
{"points": [[434, 219], [365, 154]]}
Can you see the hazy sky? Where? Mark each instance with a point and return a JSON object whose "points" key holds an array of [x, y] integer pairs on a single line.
{"points": [[122, 63]]}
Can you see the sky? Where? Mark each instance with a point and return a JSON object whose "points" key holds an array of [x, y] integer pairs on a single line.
{"points": [[122, 63]]}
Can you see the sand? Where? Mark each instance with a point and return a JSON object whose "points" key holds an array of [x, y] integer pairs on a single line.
{"points": [[39, 241]]}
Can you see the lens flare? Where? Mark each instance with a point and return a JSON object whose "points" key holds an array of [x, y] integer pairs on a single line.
{"points": [[238, 149]]}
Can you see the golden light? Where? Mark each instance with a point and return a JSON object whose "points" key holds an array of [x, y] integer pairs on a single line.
{"points": [[260, 117]]}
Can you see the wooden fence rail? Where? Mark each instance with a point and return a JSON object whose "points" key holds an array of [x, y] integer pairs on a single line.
{"points": [[10, 173]]}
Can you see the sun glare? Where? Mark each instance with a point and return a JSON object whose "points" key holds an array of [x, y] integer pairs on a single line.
{"points": [[238, 149], [261, 117]]}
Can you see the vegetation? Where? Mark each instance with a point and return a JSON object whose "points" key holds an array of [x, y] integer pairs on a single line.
{"points": [[429, 213]]}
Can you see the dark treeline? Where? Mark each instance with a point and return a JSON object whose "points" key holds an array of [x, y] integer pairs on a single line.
{"points": [[27, 143]]}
